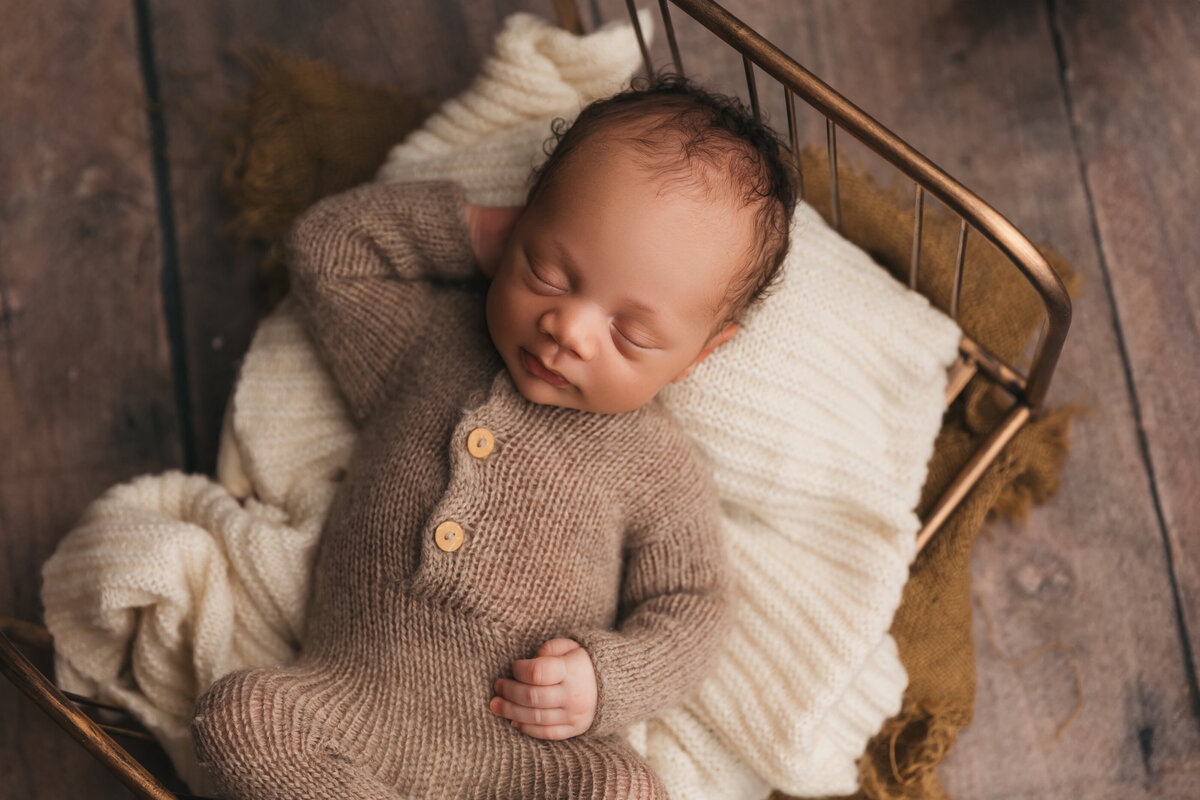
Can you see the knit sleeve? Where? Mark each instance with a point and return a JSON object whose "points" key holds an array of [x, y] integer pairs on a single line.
{"points": [[674, 609], [362, 263]]}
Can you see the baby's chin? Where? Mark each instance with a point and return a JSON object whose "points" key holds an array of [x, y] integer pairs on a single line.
{"points": [[538, 391], [541, 393]]}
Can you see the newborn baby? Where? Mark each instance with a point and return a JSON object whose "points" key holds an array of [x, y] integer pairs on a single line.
{"points": [[524, 555]]}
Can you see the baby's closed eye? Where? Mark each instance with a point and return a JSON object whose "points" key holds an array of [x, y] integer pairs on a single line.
{"points": [[634, 336], [547, 277]]}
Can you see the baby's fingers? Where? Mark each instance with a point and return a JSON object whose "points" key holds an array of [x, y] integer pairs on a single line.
{"points": [[523, 694], [525, 714], [542, 671], [548, 731]]}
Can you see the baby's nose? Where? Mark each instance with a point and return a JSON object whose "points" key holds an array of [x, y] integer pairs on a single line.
{"points": [[572, 329]]}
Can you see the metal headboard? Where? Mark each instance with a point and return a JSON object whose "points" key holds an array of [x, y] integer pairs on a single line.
{"points": [[1027, 389]]}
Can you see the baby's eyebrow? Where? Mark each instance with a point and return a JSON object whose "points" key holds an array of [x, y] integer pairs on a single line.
{"points": [[649, 313], [568, 261]]}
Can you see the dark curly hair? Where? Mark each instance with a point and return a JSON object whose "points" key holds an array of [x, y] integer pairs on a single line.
{"points": [[690, 134]]}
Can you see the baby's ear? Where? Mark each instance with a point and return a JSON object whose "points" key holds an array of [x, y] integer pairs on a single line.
{"points": [[489, 229], [719, 338]]}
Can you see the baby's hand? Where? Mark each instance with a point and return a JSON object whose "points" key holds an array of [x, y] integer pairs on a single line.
{"points": [[489, 229], [551, 696]]}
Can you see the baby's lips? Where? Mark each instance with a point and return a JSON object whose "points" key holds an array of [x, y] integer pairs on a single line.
{"points": [[535, 366]]}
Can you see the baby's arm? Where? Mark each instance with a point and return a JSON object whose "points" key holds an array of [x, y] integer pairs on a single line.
{"points": [[361, 263], [674, 600], [674, 613]]}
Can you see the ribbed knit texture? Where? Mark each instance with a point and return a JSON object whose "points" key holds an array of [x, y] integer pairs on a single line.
{"points": [[489, 137], [600, 528], [110, 607], [819, 418]]}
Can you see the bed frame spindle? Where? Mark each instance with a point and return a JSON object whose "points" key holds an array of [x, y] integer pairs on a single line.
{"points": [[835, 206], [958, 269], [794, 140], [666, 18], [637, 30], [752, 88], [918, 217]]}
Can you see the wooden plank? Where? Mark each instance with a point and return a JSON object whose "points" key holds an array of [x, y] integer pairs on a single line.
{"points": [[1133, 69], [997, 106], [976, 87], [86, 395], [428, 47]]}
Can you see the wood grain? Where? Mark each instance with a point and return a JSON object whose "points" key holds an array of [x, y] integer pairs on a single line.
{"points": [[1133, 78], [86, 395], [1104, 146], [976, 87]]}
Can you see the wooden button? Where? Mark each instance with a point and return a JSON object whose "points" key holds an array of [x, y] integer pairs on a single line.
{"points": [[480, 442], [449, 536]]}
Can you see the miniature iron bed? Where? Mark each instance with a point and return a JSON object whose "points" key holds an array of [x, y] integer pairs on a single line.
{"points": [[1027, 389]]}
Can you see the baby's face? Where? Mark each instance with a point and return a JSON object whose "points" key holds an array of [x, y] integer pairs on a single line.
{"points": [[609, 290]]}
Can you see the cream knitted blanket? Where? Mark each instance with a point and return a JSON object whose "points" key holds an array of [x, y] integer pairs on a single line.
{"points": [[818, 418]]}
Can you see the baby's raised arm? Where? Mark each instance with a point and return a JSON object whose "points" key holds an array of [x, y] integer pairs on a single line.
{"points": [[673, 615], [359, 264]]}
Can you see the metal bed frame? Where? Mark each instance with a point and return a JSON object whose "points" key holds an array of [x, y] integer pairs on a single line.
{"points": [[1027, 390]]}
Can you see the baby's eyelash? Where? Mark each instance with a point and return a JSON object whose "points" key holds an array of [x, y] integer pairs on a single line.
{"points": [[632, 342], [534, 272]]}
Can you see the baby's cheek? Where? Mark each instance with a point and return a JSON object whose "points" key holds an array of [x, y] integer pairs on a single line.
{"points": [[624, 388], [500, 316]]}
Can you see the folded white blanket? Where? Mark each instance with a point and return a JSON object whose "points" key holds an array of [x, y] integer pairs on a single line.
{"points": [[819, 418]]}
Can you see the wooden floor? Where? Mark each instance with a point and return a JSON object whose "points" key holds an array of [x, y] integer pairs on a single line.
{"points": [[124, 314]]}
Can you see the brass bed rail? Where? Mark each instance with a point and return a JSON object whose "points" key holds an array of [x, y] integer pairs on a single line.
{"points": [[1028, 391], [64, 709]]}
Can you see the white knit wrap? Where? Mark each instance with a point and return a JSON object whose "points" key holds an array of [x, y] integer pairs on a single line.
{"points": [[818, 418]]}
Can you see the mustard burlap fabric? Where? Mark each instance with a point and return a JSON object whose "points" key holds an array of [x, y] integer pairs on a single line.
{"points": [[306, 131], [302, 132]]}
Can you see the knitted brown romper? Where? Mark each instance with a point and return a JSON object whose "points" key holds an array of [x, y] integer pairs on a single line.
{"points": [[600, 528]]}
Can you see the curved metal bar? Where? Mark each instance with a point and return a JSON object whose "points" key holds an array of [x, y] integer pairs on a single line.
{"points": [[80, 700], [29, 633], [637, 29], [1002, 374], [960, 375], [959, 258], [1017, 416], [835, 204], [82, 728], [751, 87], [116, 730], [989, 222], [918, 219], [794, 140], [666, 18]]}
